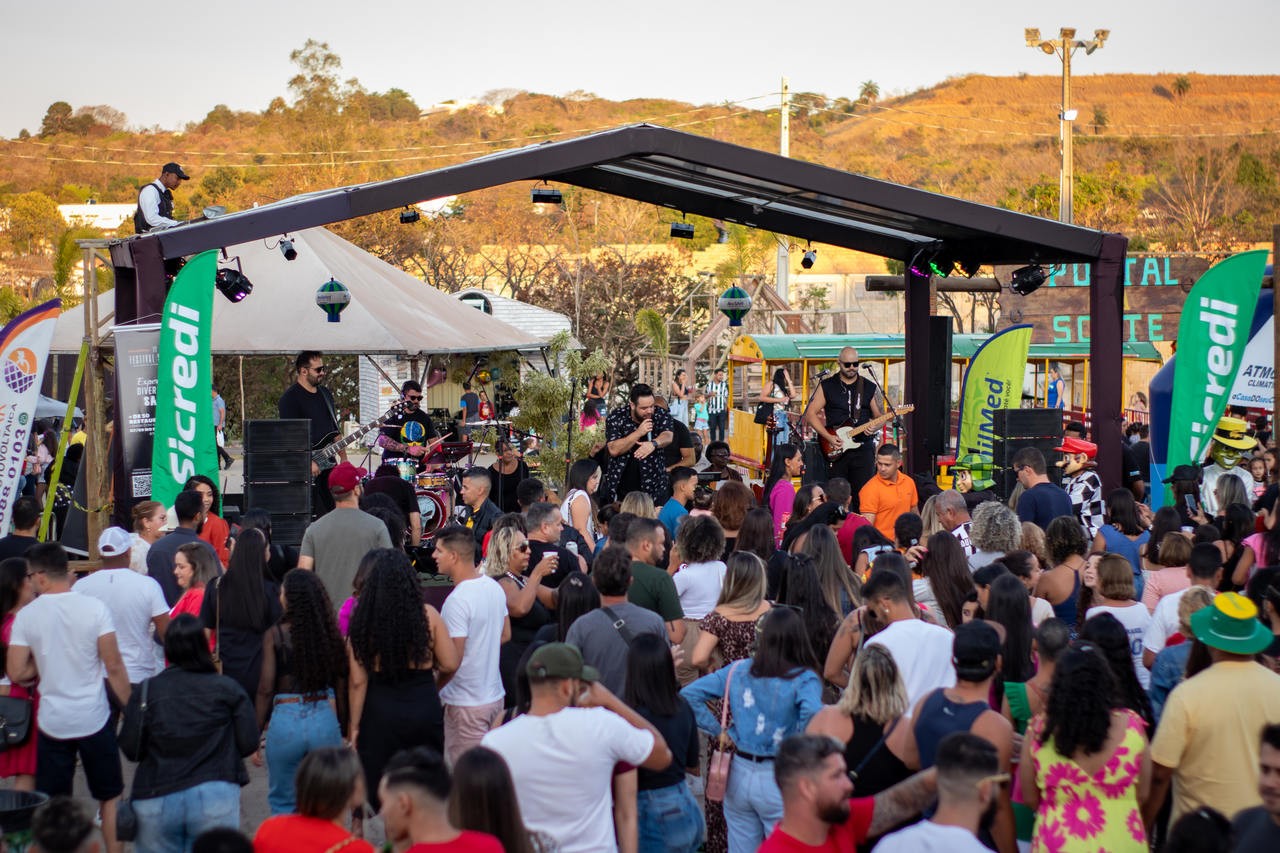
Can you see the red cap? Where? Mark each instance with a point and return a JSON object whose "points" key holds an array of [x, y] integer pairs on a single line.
{"points": [[345, 477], [1074, 445]]}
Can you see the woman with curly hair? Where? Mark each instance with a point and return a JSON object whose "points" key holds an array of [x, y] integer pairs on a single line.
{"points": [[1086, 763], [302, 693], [995, 532], [1060, 585], [396, 646], [945, 569], [238, 608], [215, 531]]}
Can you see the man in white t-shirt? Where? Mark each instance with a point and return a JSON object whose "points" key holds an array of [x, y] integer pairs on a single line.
{"points": [[1204, 568], [562, 753], [476, 615], [921, 649], [969, 781], [66, 640], [136, 604]]}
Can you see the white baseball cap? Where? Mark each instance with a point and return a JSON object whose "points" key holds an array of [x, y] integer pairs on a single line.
{"points": [[113, 542]]}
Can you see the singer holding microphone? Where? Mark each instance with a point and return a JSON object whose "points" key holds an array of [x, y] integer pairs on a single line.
{"points": [[848, 397], [635, 433]]}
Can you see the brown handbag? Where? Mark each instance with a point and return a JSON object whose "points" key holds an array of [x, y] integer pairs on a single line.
{"points": [[721, 758]]}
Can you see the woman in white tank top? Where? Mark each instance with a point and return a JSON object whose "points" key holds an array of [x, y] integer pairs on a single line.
{"points": [[578, 509]]}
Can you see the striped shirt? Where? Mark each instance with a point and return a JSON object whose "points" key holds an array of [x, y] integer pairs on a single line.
{"points": [[717, 397]]}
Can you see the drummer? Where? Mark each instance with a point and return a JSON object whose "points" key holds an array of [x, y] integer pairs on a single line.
{"points": [[387, 481], [407, 437]]}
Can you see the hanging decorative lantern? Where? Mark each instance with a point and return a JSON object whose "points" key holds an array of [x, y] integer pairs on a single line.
{"points": [[734, 303], [484, 376], [333, 298]]}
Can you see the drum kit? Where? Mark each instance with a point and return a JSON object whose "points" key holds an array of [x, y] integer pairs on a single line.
{"points": [[437, 485]]}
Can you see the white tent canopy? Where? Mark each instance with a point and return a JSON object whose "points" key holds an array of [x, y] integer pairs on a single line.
{"points": [[391, 312]]}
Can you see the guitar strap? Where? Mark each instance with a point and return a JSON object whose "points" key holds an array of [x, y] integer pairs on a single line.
{"points": [[328, 404], [856, 406]]}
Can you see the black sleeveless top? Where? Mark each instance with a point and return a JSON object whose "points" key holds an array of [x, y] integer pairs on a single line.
{"points": [[845, 402], [882, 770]]}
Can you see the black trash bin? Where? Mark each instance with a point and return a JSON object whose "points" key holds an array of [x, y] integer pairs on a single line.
{"points": [[16, 809]]}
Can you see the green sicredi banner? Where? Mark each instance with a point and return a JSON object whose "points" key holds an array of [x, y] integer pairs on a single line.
{"points": [[184, 439], [992, 381], [1212, 336]]}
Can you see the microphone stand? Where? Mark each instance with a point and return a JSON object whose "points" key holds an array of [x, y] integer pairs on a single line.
{"points": [[897, 418]]}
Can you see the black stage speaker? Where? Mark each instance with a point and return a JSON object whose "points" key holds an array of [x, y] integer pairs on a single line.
{"points": [[1019, 428], [933, 413], [277, 475]]}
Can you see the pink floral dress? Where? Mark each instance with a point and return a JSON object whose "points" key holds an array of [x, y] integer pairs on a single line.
{"points": [[1083, 813]]}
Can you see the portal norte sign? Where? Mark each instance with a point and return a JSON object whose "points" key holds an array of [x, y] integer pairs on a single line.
{"points": [[1155, 288]]}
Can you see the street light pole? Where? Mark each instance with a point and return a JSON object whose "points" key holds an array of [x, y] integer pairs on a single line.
{"points": [[1063, 46]]}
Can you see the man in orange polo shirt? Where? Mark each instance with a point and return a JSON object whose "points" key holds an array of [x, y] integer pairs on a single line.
{"points": [[889, 493]]}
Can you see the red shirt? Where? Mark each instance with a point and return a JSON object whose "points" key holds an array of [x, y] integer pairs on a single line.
{"points": [[841, 837], [297, 834], [845, 535], [466, 842], [216, 531]]}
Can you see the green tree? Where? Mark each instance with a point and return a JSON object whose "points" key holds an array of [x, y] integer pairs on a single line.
{"points": [[34, 223], [869, 92], [316, 87], [56, 118], [545, 398], [1100, 118], [1181, 85]]}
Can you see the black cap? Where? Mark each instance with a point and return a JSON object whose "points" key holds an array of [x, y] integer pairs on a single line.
{"points": [[177, 170], [976, 647], [1190, 473]]}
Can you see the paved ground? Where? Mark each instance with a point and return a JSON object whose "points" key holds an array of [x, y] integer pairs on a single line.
{"points": [[253, 801]]}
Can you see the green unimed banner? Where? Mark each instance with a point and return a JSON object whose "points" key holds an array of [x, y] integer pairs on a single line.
{"points": [[184, 440], [1212, 336], [993, 381]]}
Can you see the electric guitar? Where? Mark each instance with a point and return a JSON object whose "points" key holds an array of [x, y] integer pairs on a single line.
{"points": [[326, 456], [847, 434]]}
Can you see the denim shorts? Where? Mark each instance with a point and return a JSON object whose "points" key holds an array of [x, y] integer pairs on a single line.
{"points": [[670, 820]]}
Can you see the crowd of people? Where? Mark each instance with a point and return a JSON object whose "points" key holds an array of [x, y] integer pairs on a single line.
{"points": [[647, 663]]}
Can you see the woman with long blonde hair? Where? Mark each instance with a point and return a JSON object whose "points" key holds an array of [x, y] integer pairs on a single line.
{"points": [[868, 719]]}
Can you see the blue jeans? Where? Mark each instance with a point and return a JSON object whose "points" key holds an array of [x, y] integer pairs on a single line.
{"points": [[752, 805], [296, 728], [670, 820], [170, 824]]}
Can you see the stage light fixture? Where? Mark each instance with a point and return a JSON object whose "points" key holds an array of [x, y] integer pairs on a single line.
{"points": [[969, 267], [942, 264], [809, 257], [683, 230], [546, 195], [922, 262], [233, 284], [409, 215], [1027, 280], [287, 249]]}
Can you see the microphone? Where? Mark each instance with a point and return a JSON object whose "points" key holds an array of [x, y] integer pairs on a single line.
{"points": [[866, 365]]}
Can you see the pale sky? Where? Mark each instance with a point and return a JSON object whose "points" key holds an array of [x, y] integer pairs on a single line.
{"points": [[168, 63]]}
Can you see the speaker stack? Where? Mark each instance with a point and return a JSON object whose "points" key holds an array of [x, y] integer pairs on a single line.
{"points": [[1015, 429], [277, 475], [935, 415]]}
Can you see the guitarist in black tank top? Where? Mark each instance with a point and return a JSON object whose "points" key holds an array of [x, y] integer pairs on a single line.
{"points": [[307, 399], [847, 397]]}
